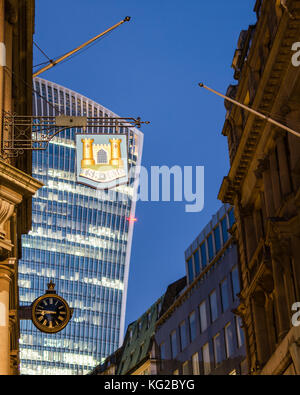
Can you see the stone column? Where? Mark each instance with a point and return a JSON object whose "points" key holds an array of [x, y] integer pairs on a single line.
{"points": [[275, 181], [283, 166], [263, 171], [294, 147], [295, 242], [87, 153], [5, 278], [261, 333], [282, 307], [2, 60], [250, 231], [295, 354]]}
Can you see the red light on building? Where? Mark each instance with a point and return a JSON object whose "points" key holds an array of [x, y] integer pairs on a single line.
{"points": [[131, 219]]}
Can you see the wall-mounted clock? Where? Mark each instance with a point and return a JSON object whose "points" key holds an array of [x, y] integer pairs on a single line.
{"points": [[50, 312]]}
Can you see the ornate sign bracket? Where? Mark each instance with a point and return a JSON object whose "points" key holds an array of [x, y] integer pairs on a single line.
{"points": [[23, 133]]}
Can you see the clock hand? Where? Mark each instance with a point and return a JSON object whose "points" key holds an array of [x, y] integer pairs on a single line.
{"points": [[49, 312], [43, 312]]}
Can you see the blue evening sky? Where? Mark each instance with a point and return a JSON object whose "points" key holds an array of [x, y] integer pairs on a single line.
{"points": [[150, 67]]}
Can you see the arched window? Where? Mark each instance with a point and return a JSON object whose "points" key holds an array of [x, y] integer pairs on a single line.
{"points": [[102, 156]]}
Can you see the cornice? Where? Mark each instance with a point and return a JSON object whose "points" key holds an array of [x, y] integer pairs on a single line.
{"points": [[275, 68], [17, 180]]}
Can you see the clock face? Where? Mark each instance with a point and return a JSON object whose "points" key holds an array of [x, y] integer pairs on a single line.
{"points": [[50, 313]]}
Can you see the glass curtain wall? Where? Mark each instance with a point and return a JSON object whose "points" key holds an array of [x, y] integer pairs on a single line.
{"points": [[81, 239]]}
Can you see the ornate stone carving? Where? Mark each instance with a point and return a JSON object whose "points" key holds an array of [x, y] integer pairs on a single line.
{"points": [[241, 310], [263, 165], [278, 237], [6, 211]]}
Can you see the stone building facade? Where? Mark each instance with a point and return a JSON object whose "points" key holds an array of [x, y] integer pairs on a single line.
{"points": [[16, 184], [263, 185]]}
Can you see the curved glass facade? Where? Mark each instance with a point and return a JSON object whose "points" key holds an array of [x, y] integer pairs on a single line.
{"points": [[81, 239]]}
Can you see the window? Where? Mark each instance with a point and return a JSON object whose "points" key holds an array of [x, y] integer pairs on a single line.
{"points": [[183, 338], [192, 322], [239, 331], [185, 368], [173, 344], [203, 316], [235, 282], [210, 247], [217, 349], [217, 239], [213, 306], [203, 255], [148, 319], [224, 229], [159, 306], [162, 351], [224, 295], [229, 340], [140, 353], [139, 326], [195, 364], [206, 359], [190, 270], [197, 262]]}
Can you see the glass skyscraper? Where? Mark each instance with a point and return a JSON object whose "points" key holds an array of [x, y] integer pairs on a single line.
{"points": [[81, 239]]}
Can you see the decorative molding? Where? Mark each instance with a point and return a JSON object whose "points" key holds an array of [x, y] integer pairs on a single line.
{"points": [[6, 211], [263, 165]]}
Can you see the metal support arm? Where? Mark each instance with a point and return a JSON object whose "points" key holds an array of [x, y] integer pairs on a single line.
{"points": [[34, 133]]}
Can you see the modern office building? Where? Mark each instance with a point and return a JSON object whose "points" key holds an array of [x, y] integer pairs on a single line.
{"points": [[81, 239], [139, 354], [200, 334], [193, 329]]}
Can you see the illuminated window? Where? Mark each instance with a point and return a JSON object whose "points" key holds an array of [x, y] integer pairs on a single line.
{"points": [[239, 331], [229, 340], [185, 368], [206, 359], [195, 364]]}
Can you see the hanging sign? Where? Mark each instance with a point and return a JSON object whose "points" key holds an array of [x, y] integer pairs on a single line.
{"points": [[102, 160]]}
